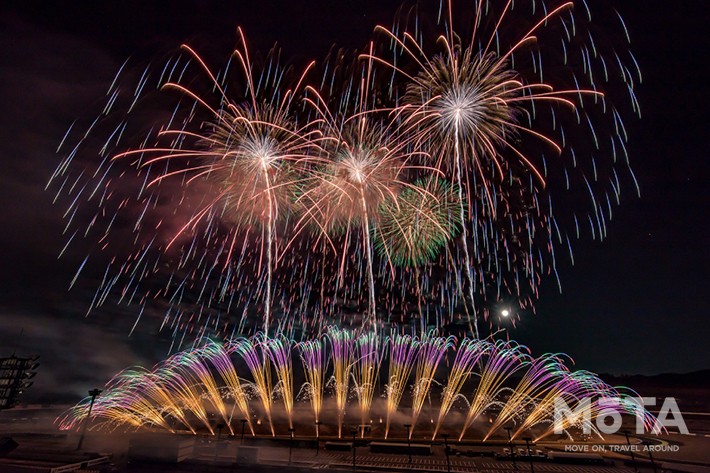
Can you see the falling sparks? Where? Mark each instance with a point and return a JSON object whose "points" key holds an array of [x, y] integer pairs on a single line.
{"points": [[413, 181]]}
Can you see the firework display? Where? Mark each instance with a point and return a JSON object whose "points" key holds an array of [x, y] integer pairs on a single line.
{"points": [[314, 366], [183, 394], [432, 351], [403, 354], [413, 182], [279, 351], [255, 355], [332, 239], [469, 105], [366, 372], [468, 352]]}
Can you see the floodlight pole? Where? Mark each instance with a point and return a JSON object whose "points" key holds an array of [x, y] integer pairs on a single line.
{"points": [[647, 444], [93, 393], [409, 442], [512, 452], [244, 423], [290, 443], [631, 450], [318, 424], [527, 444], [446, 452], [220, 426]]}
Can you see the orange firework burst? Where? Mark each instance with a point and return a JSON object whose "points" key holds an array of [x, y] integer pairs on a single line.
{"points": [[250, 149], [420, 174], [462, 106]]}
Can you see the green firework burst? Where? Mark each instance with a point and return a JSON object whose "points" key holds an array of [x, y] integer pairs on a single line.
{"points": [[422, 219]]}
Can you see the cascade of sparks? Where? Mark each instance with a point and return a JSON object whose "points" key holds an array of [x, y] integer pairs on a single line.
{"points": [[431, 351], [188, 391], [607, 399], [502, 361], [279, 351], [180, 379], [190, 371], [468, 353], [256, 358], [314, 361], [220, 359], [545, 378], [403, 355], [468, 102], [366, 370], [342, 353]]}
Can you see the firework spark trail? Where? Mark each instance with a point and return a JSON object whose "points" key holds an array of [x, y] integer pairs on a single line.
{"points": [[503, 361], [366, 369], [151, 387], [464, 237], [254, 355], [545, 377], [468, 353], [576, 390], [442, 100], [186, 374], [154, 387], [109, 412], [367, 162], [279, 351], [403, 351], [588, 398], [342, 353], [363, 170], [219, 358], [126, 402], [193, 369], [431, 351], [257, 152], [187, 394], [245, 149], [315, 362]]}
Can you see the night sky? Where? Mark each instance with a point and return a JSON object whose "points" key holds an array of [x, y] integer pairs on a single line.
{"points": [[634, 303]]}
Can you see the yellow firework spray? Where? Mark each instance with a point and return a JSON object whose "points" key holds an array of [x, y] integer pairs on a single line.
{"points": [[431, 352], [365, 371], [341, 351], [314, 362], [467, 355], [279, 351], [219, 357], [403, 355], [503, 361], [256, 358]]}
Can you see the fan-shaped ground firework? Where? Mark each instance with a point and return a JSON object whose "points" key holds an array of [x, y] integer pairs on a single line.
{"points": [[184, 392]]}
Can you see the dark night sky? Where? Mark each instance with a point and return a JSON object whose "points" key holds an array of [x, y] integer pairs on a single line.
{"points": [[635, 303]]}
